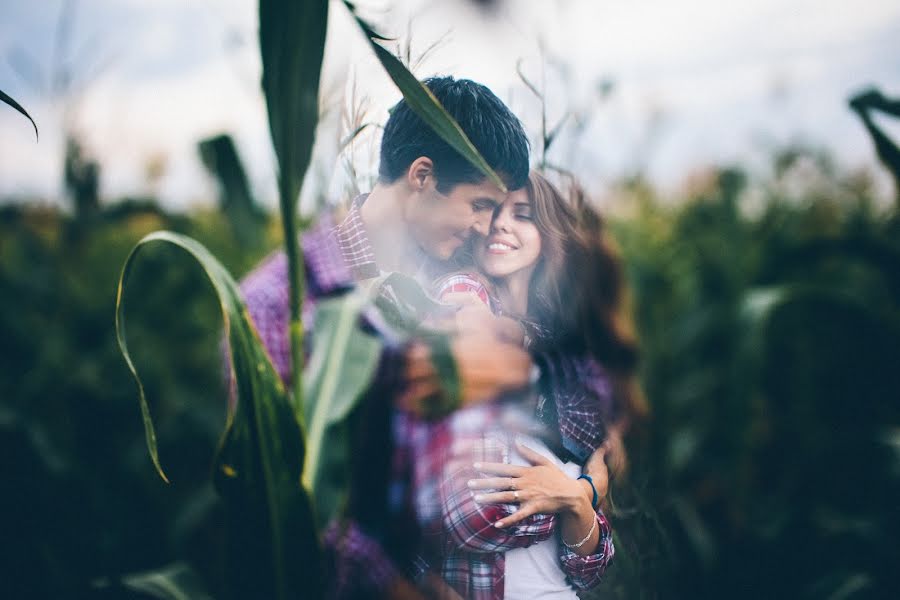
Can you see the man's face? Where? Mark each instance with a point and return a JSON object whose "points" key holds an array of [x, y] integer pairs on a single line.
{"points": [[441, 223]]}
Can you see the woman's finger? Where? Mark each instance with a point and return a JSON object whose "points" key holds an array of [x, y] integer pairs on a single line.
{"points": [[498, 469], [492, 483], [523, 513], [510, 497], [531, 456]]}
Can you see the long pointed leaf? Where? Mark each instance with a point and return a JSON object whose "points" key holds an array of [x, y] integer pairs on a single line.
{"points": [[292, 43], [9, 100], [424, 103], [273, 547]]}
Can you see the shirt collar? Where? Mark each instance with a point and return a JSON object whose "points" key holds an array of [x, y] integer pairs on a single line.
{"points": [[353, 241]]}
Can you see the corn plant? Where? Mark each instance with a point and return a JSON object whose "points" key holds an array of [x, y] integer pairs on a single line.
{"points": [[280, 449]]}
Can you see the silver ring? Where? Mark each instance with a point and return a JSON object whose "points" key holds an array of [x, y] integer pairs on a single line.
{"points": [[516, 495]]}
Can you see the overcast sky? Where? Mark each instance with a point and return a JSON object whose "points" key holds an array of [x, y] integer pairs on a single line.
{"points": [[694, 82]]}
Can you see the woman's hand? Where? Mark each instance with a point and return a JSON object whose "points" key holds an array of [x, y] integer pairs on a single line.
{"points": [[541, 488]]}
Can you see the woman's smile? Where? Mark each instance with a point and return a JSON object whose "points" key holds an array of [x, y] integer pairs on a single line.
{"points": [[498, 246]]}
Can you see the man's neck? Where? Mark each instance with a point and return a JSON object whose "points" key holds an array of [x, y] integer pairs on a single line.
{"points": [[383, 217]]}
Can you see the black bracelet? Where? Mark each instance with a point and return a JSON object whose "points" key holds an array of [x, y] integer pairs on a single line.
{"points": [[595, 503]]}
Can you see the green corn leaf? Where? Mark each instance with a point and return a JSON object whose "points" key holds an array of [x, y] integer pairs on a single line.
{"points": [[273, 549], [339, 370], [9, 100], [442, 359], [424, 104], [292, 43], [403, 303]]}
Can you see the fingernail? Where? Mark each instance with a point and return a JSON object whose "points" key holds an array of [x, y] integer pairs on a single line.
{"points": [[479, 498], [498, 524], [476, 466], [471, 483]]}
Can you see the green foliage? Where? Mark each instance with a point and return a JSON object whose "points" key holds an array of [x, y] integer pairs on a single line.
{"points": [[769, 336], [272, 542], [341, 367], [86, 505]]}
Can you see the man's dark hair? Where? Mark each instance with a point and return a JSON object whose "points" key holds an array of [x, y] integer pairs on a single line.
{"points": [[491, 126]]}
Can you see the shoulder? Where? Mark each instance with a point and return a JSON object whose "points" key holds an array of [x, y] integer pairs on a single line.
{"points": [[465, 282]]}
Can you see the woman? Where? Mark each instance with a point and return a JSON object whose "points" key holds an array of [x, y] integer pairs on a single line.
{"points": [[520, 521]]}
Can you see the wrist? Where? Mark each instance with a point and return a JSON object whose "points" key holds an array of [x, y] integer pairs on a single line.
{"points": [[594, 496], [580, 499]]}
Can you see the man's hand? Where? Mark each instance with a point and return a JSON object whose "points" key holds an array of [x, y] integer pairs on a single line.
{"points": [[475, 315], [596, 467], [486, 367]]}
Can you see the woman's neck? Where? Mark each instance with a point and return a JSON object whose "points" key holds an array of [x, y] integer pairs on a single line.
{"points": [[512, 291]]}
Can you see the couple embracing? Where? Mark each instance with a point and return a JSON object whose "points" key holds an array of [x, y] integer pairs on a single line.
{"points": [[500, 498]]}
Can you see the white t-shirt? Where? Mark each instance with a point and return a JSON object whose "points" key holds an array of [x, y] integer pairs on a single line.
{"points": [[535, 572]]}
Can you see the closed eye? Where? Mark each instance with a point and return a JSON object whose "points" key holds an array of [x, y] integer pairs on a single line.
{"points": [[483, 204]]}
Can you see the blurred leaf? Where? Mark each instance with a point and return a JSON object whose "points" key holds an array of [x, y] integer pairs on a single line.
{"points": [[697, 532], [424, 103], [8, 100], [174, 582], [442, 359], [405, 305], [339, 370], [273, 550], [220, 157]]}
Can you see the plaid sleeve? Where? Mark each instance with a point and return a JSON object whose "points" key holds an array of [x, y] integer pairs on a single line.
{"points": [[471, 525], [585, 572], [361, 564]]}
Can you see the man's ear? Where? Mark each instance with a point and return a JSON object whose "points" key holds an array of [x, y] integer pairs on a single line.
{"points": [[419, 172]]}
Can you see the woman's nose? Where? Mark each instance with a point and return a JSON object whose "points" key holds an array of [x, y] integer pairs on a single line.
{"points": [[500, 221]]}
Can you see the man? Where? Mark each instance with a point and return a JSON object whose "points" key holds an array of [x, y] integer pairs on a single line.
{"points": [[428, 201]]}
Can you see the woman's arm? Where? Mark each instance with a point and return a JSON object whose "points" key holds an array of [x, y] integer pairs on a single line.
{"points": [[586, 536]]}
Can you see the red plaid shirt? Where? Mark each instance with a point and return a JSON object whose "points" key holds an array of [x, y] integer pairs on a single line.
{"points": [[474, 561]]}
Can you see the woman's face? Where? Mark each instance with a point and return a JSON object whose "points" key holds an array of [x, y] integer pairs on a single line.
{"points": [[513, 245]]}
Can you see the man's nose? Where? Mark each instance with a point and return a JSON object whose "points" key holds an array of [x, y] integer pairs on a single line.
{"points": [[482, 225]]}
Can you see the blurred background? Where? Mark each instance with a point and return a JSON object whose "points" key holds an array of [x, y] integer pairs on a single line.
{"points": [[741, 153]]}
